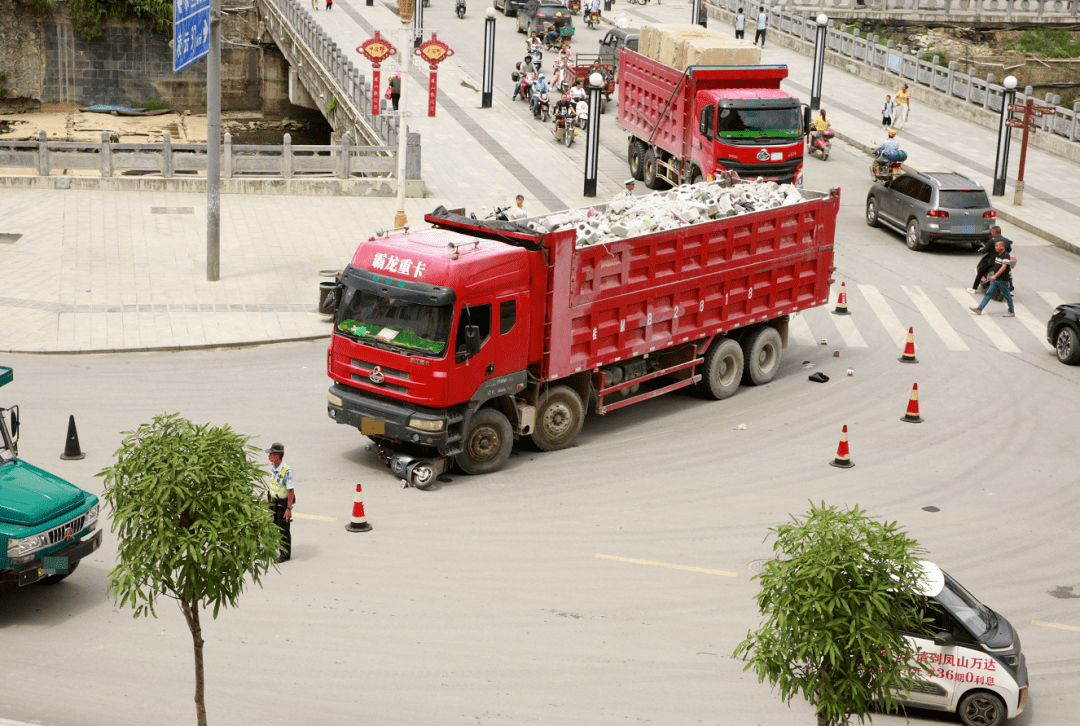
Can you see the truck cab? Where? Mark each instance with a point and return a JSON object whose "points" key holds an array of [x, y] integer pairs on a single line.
{"points": [[45, 521], [754, 132]]}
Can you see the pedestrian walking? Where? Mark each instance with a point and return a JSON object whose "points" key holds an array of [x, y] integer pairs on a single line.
{"points": [[999, 280], [329, 4], [740, 25], [903, 107], [989, 254], [703, 15], [314, 4], [887, 112], [395, 88], [518, 211], [281, 495], [762, 25]]}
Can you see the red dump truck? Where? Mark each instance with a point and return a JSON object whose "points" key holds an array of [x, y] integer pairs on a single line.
{"points": [[690, 125], [451, 341]]}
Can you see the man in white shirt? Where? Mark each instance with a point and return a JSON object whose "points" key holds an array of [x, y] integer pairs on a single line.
{"points": [[762, 24], [740, 25]]}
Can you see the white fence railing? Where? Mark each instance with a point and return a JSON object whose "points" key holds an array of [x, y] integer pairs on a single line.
{"points": [[168, 160], [1010, 10], [930, 74]]}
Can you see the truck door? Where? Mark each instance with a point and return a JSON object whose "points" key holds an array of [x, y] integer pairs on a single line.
{"points": [[513, 339], [471, 372], [702, 146]]}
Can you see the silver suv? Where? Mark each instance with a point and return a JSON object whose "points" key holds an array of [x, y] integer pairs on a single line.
{"points": [[932, 207]]}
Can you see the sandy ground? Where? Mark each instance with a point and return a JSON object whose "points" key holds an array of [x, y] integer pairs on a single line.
{"points": [[65, 122]]}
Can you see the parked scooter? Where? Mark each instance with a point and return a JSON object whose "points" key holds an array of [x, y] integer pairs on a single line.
{"points": [[500, 214], [821, 143], [459, 8], [581, 114]]}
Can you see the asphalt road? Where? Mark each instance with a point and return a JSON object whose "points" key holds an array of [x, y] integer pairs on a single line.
{"points": [[521, 596]]}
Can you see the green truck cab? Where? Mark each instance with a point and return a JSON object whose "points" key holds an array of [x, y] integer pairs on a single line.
{"points": [[45, 522]]}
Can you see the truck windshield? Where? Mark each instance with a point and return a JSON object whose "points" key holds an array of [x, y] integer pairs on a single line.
{"points": [[388, 322], [964, 606], [746, 123]]}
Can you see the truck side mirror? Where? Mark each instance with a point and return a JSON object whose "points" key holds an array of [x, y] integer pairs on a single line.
{"points": [[14, 424], [472, 344], [805, 119], [944, 638]]}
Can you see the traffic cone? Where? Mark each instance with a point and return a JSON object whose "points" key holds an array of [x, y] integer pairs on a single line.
{"points": [[841, 302], [71, 447], [842, 460], [912, 415], [359, 522], [909, 348]]}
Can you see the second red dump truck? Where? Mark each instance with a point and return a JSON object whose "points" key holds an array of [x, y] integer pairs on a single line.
{"points": [[686, 126], [453, 340]]}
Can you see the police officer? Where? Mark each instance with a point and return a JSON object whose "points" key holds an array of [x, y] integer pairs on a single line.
{"points": [[281, 496]]}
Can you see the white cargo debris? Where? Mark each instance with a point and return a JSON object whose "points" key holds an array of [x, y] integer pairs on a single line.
{"points": [[678, 207]]}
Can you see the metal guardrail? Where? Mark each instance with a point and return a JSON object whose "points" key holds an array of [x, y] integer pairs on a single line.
{"points": [[168, 160], [975, 10], [946, 80]]}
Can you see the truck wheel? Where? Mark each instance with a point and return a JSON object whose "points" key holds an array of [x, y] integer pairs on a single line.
{"points": [[635, 155], [652, 180], [696, 176], [762, 352], [982, 708], [559, 416], [722, 370], [487, 443], [53, 579]]}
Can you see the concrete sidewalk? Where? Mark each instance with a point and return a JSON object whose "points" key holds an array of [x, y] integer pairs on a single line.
{"points": [[125, 271]]}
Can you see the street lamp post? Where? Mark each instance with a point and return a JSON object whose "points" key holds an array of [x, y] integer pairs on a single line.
{"points": [[489, 59], [1001, 161], [418, 23], [819, 61], [405, 8], [592, 141]]}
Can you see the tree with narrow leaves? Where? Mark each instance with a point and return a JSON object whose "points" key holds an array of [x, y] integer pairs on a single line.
{"points": [[189, 512], [834, 601]]}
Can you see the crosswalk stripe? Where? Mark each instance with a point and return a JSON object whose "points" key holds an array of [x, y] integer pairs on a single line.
{"points": [[1037, 327], [987, 326], [934, 317], [896, 330], [800, 331], [851, 335], [1052, 299]]}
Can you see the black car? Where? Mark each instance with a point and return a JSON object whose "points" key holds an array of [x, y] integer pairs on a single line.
{"points": [[536, 15], [1063, 332], [510, 7]]}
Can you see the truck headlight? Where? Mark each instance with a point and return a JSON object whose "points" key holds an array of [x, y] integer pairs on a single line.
{"points": [[425, 424], [92, 515], [333, 400], [17, 549]]}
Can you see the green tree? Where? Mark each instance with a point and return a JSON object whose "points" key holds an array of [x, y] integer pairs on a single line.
{"points": [[832, 607], [188, 508]]}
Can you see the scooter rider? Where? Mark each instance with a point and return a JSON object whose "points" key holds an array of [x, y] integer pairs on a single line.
{"points": [[564, 109], [552, 37], [598, 68], [577, 93], [888, 148], [819, 125], [525, 69], [539, 86]]}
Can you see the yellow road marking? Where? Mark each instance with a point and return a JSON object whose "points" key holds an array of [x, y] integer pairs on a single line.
{"points": [[670, 566], [1059, 626], [314, 516]]}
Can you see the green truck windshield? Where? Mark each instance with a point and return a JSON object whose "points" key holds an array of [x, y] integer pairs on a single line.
{"points": [[781, 123], [397, 323]]}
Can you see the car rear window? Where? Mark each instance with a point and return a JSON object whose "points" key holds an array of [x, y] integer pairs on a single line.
{"points": [[963, 199]]}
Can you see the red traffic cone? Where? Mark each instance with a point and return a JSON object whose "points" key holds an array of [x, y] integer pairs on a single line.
{"points": [[909, 348], [841, 302], [842, 460], [71, 446], [912, 415], [359, 522]]}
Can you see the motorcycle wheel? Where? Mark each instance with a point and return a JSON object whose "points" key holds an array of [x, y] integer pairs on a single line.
{"points": [[825, 154], [544, 114], [568, 136]]}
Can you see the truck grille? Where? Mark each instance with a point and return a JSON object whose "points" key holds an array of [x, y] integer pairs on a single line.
{"points": [[70, 529], [784, 170]]}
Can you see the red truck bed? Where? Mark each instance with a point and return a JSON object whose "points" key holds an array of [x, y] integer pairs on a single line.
{"points": [[645, 293]]}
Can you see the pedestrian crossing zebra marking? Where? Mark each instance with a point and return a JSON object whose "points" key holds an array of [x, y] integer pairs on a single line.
{"points": [[1029, 321], [988, 326], [936, 320], [877, 303]]}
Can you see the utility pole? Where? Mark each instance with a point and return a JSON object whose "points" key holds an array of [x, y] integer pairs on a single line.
{"points": [[405, 11], [213, 146]]}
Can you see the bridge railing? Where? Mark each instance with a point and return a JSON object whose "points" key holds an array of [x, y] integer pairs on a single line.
{"points": [[169, 160], [930, 74], [1009, 10]]}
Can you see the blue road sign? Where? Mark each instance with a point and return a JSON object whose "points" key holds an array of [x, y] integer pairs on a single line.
{"points": [[191, 32]]}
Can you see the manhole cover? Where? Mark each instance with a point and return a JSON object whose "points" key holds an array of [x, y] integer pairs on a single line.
{"points": [[931, 508], [9, 238], [756, 566], [172, 210]]}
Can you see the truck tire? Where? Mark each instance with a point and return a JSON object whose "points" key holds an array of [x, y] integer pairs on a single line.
{"points": [[696, 176], [762, 353], [488, 442], [722, 370], [53, 579], [559, 417], [652, 180], [635, 155]]}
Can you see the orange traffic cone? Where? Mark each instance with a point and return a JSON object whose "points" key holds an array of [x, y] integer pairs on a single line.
{"points": [[909, 348], [359, 522], [841, 302], [912, 415], [842, 460]]}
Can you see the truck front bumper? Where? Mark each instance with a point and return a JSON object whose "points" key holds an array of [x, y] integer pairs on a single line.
{"points": [[388, 420], [59, 562]]}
